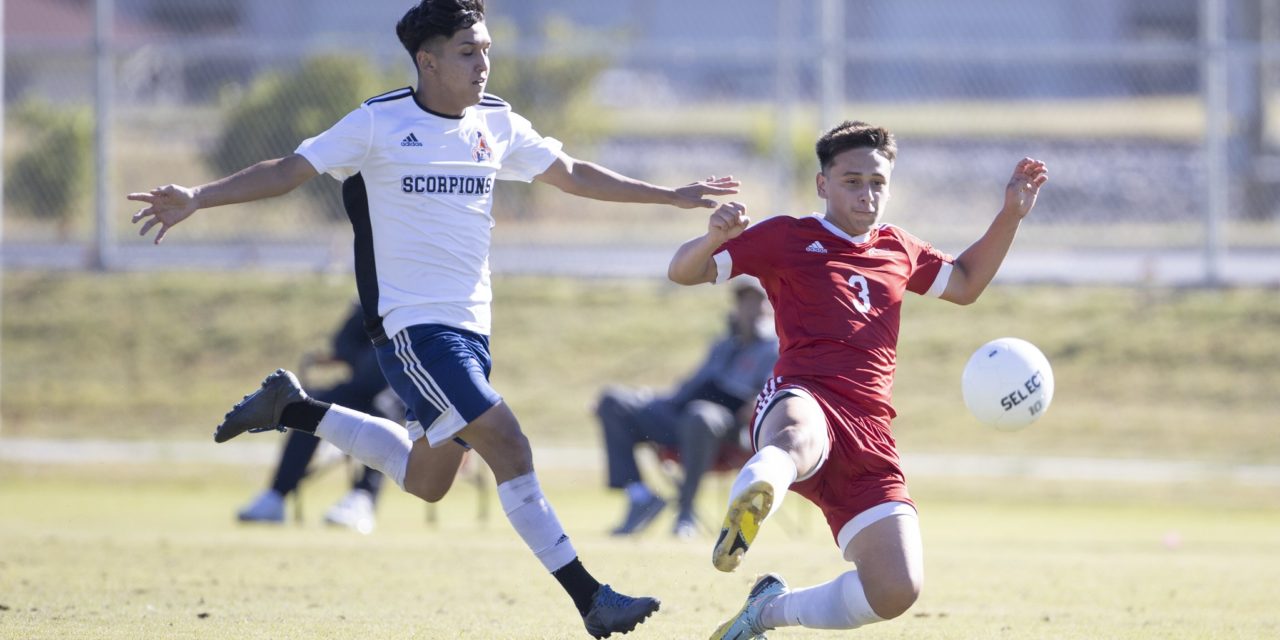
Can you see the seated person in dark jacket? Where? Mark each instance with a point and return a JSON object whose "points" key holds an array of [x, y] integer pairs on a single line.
{"points": [[708, 410]]}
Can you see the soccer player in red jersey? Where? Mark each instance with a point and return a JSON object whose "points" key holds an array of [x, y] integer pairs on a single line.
{"points": [[822, 423]]}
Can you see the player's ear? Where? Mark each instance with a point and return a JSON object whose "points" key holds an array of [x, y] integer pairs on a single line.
{"points": [[821, 181], [425, 60]]}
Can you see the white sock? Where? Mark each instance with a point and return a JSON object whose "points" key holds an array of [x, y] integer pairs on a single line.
{"points": [[378, 443], [839, 604], [770, 464], [534, 519]]}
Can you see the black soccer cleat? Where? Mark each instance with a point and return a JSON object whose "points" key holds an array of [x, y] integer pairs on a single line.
{"points": [[261, 410], [613, 612]]}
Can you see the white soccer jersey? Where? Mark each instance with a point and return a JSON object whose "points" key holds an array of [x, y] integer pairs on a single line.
{"points": [[418, 188]]}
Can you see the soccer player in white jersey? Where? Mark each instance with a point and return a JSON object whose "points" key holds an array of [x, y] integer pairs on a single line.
{"points": [[418, 168], [822, 425]]}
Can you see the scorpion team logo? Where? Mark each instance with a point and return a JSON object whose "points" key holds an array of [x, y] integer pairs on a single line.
{"points": [[480, 151]]}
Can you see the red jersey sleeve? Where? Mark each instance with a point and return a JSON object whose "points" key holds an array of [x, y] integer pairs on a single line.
{"points": [[755, 251], [930, 268]]}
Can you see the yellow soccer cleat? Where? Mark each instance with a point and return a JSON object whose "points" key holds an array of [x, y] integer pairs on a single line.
{"points": [[741, 525]]}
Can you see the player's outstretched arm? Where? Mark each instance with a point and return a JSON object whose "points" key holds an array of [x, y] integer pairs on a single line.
{"points": [[171, 204], [977, 265], [692, 263], [590, 180]]}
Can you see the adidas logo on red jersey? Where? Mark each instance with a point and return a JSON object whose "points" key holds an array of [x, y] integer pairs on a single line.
{"points": [[816, 247]]}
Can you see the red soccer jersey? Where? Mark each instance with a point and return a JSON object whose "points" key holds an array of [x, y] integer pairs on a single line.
{"points": [[837, 299]]}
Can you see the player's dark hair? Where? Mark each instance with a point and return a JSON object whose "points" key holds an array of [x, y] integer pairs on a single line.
{"points": [[436, 18], [854, 134]]}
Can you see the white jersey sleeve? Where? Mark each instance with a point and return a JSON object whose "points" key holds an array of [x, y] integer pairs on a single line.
{"points": [[529, 153], [342, 149]]}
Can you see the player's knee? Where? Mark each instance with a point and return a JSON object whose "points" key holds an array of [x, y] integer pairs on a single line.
{"points": [[892, 599], [433, 497], [511, 461], [497, 437], [508, 457], [428, 491], [423, 493], [803, 444]]}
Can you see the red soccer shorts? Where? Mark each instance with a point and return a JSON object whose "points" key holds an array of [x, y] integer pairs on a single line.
{"points": [[861, 469]]}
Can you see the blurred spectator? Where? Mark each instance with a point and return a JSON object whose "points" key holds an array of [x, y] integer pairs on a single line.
{"points": [[707, 411], [364, 389]]}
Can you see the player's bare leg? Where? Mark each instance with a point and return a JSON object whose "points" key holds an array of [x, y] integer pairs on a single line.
{"points": [[890, 559], [792, 441], [431, 470], [797, 425], [497, 437], [890, 573]]}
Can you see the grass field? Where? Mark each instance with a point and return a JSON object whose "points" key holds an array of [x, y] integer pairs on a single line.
{"points": [[151, 551], [1183, 374]]}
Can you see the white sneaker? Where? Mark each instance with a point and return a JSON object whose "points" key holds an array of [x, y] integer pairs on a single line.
{"points": [[267, 507], [354, 511], [686, 528]]}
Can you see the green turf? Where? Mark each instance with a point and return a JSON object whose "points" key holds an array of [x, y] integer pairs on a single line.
{"points": [[146, 551], [1140, 372], [151, 551]]}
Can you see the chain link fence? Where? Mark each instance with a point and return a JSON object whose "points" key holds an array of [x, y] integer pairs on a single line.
{"points": [[1155, 116]]}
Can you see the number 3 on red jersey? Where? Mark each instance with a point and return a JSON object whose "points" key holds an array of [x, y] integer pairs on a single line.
{"points": [[861, 292]]}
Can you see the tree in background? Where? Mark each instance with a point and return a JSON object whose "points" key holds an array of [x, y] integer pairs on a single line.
{"points": [[552, 90], [283, 108], [50, 178]]}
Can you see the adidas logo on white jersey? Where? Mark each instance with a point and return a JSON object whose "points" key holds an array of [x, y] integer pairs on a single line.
{"points": [[410, 141], [816, 247]]}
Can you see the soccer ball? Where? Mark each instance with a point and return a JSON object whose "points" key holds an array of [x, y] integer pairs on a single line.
{"points": [[1007, 384]]}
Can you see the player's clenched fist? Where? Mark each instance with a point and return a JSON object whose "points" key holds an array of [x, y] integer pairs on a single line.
{"points": [[728, 221]]}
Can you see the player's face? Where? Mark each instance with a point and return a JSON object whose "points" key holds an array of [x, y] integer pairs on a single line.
{"points": [[856, 188], [456, 70]]}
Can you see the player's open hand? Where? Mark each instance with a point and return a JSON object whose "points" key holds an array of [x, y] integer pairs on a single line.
{"points": [[1023, 188], [168, 205], [693, 196], [728, 221]]}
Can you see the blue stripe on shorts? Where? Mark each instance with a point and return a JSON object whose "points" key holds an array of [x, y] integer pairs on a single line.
{"points": [[434, 368]]}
